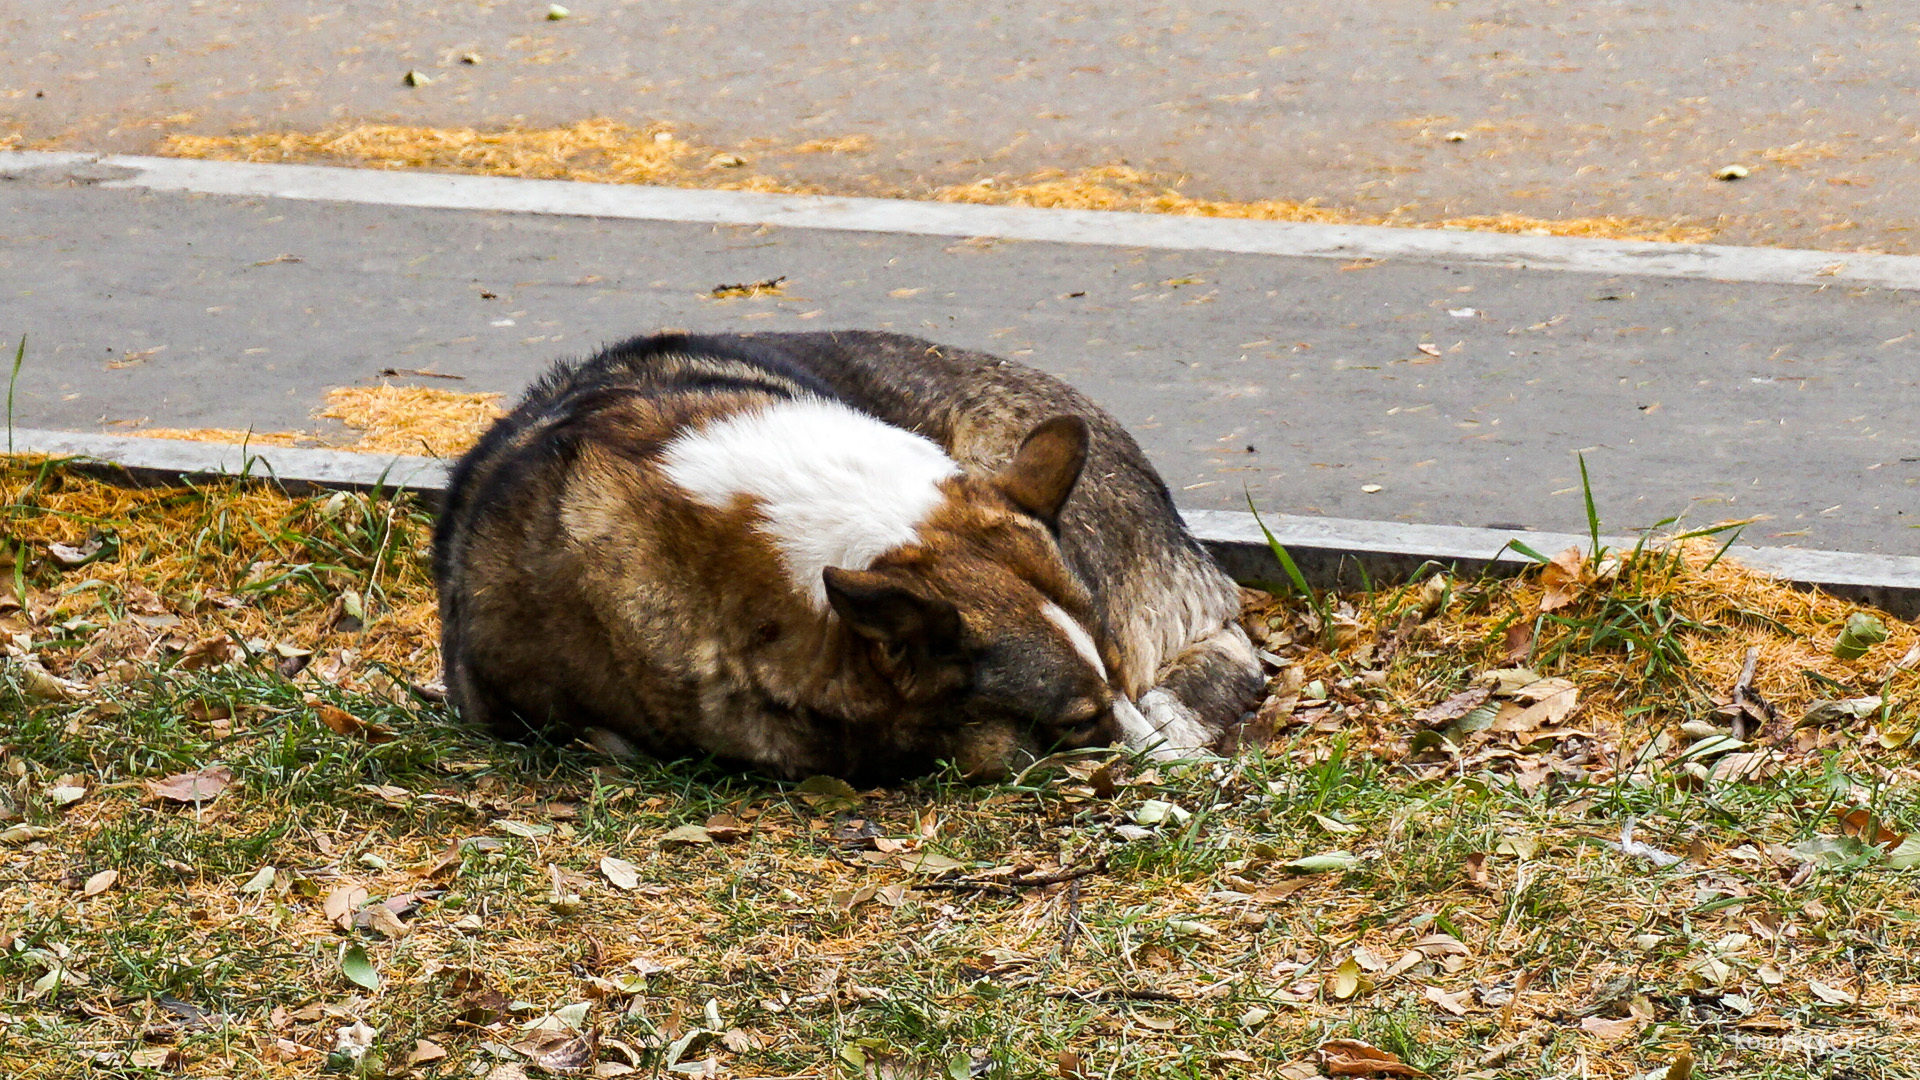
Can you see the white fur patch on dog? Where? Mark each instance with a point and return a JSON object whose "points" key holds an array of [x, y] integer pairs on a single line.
{"points": [[1076, 635], [837, 487]]}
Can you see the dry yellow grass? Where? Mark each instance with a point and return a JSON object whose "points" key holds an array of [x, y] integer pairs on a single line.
{"points": [[230, 564], [1122, 188], [412, 419], [386, 419], [595, 150], [604, 151]]}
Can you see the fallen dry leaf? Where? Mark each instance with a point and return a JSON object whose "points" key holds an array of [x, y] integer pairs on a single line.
{"points": [[380, 919], [158, 1057], [1610, 1030], [622, 873], [341, 722], [1455, 1004], [75, 554], [203, 786], [340, 904], [208, 652], [1548, 701], [1517, 643], [560, 1051], [1476, 870], [1861, 824], [1351, 1057], [725, 828], [1562, 578], [1454, 707]]}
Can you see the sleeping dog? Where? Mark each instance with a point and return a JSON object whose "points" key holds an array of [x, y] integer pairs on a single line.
{"points": [[858, 554]]}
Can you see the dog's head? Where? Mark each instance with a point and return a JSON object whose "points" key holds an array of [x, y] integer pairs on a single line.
{"points": [[988, 637]]}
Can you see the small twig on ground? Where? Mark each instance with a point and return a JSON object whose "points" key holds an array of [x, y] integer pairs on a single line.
{"points": [[1072, 925], [1754, 715], [396, 372], [1093, 997], [1071, 873], [1018, 881], [1520, 985], [767, 287]]}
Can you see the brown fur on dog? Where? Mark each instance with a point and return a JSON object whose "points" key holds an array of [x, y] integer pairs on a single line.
{"points": [[1037, 602]]}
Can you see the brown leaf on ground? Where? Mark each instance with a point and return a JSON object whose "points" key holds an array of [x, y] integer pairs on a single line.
{"points": [[388, 917], [1454, 1004], [481, 1007], [560, 1051], [1518, 642], [203, 786], [446, 862], [623, 874], [158, 1057], [1610, 1030], [208, 652], [1861, 824], [1548, 701], [1351, 1057], [1562, 578], [341, 904], [1454, 707], [341, 722], [725, 828], [1476, 870], [42, 684]]}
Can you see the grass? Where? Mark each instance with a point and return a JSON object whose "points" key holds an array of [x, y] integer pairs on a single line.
{"points": [[1452, 895]]}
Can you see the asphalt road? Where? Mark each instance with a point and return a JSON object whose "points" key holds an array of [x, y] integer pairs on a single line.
{"points": [[1569, 108], [1300, 382]]}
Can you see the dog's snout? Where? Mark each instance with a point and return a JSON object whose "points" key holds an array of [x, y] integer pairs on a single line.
{"points": [[1084, 722]]}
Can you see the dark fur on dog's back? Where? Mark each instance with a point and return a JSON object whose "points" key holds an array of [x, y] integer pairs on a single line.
{"points": [[571, 388], [536, 635], [556, 415]]}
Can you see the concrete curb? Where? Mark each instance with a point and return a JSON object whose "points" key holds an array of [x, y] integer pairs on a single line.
{"points": [[1330, 552], [384, 187], [166, 461]]}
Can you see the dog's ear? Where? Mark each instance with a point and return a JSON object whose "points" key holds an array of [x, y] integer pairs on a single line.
{"points": [[879, 607], [1045, 468]]}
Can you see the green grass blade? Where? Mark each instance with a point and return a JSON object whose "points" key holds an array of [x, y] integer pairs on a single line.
{"points": [[1524, 550], [13, 379], [1292, 569], [1593, 514]]}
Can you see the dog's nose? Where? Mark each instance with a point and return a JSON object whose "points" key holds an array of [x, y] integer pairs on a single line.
{"points": [[1084, 722]]}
